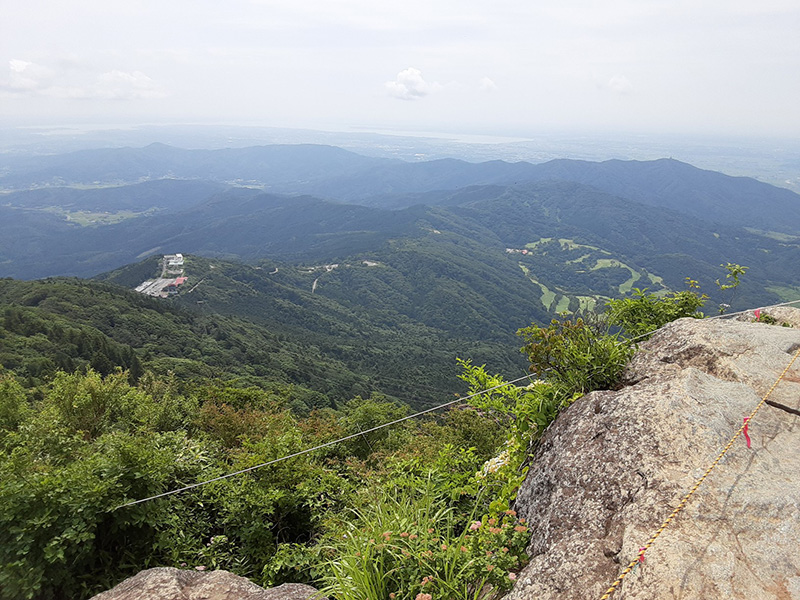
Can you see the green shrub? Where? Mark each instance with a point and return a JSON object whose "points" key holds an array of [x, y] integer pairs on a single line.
{"points": [[577, 355], [643, 313]]}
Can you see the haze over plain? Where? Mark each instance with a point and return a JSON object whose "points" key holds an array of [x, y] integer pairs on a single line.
{"points": [[507, 68]]}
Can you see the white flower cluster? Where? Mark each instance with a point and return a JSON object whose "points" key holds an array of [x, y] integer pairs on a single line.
{"points": [[535, 383], [494, 464]]}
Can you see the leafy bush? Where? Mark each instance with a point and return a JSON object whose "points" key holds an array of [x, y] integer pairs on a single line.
{"points": [[577, 355], [643, 313]]}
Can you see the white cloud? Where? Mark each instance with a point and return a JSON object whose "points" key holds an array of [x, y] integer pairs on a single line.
{"points": [[620, 84], [72, 80], [487, 85], [410, 85], [25, 77], [123, 85]]}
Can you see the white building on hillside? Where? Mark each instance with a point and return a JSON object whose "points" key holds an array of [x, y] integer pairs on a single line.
{"points": [[174, 260]]}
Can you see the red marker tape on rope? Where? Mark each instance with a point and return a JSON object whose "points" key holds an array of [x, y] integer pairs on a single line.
{"points": [[744, 431]]}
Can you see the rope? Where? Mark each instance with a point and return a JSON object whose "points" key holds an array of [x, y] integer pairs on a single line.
{"points": [[741, 312], [640, 556], [325, 445], [724, 316]]}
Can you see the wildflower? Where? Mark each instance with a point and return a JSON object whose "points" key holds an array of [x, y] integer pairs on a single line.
{"points": [[475, 525], [404, 534], [495, 530], [372, 540], [413, 536], [444, 546], [464, 549], [520, 528], [392, 595], [511, 513], [490, 567], [512, 576], [493, 465], [430, 530], [504, 549], [422, 596], [492, 521], [488, 553]]}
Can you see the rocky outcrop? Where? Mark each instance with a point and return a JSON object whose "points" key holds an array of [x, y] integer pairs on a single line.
{"points": [[615, 464], [176, 584]]}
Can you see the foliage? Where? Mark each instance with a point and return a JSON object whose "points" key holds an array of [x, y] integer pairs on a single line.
{"points": [[76, 445], [641, 313], [732, 277], [526, 412], [90, 443], [73, 451], [408, 547], [578, 355], [734, 272]]}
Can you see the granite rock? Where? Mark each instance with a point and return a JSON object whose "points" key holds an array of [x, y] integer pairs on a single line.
{"points": [[614, 465], [167, 583]]}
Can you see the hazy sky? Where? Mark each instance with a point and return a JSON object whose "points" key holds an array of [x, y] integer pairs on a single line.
{"points": [[506, 67]]}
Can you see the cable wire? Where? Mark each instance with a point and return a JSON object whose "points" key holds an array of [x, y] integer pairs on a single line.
{"points": [[325, 445], [723, 316], [378, 427]]}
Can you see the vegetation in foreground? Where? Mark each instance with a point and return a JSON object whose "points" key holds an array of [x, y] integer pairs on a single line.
{"points": [[422, 510]]}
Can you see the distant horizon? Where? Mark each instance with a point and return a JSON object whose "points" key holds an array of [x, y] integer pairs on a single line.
{"points": [[772, 160], [723, 68], [476, 135]]}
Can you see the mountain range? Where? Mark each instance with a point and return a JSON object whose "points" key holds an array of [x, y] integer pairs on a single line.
{"points": [[360, 274]]}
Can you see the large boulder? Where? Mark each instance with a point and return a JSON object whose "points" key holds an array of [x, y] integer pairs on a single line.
{"points": [[166, 583], [614, 465]]}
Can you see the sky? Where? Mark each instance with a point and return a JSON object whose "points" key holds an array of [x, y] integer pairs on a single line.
{"points": [[499, 67]]}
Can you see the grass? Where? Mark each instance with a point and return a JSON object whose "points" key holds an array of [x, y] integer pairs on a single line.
{"points": [[563, 304], [612, 263], [86, 218], [774, 235], [548, 297], [785, 293]]}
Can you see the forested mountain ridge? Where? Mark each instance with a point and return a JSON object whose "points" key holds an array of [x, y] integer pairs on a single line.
{"points": [[456, 270], [278, 165], [69, 324], [472, 225], [249, 327], [333, 173]]}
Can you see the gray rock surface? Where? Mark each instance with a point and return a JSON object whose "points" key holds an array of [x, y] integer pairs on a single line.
{"points": [[175, 584], [615, 464]]}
